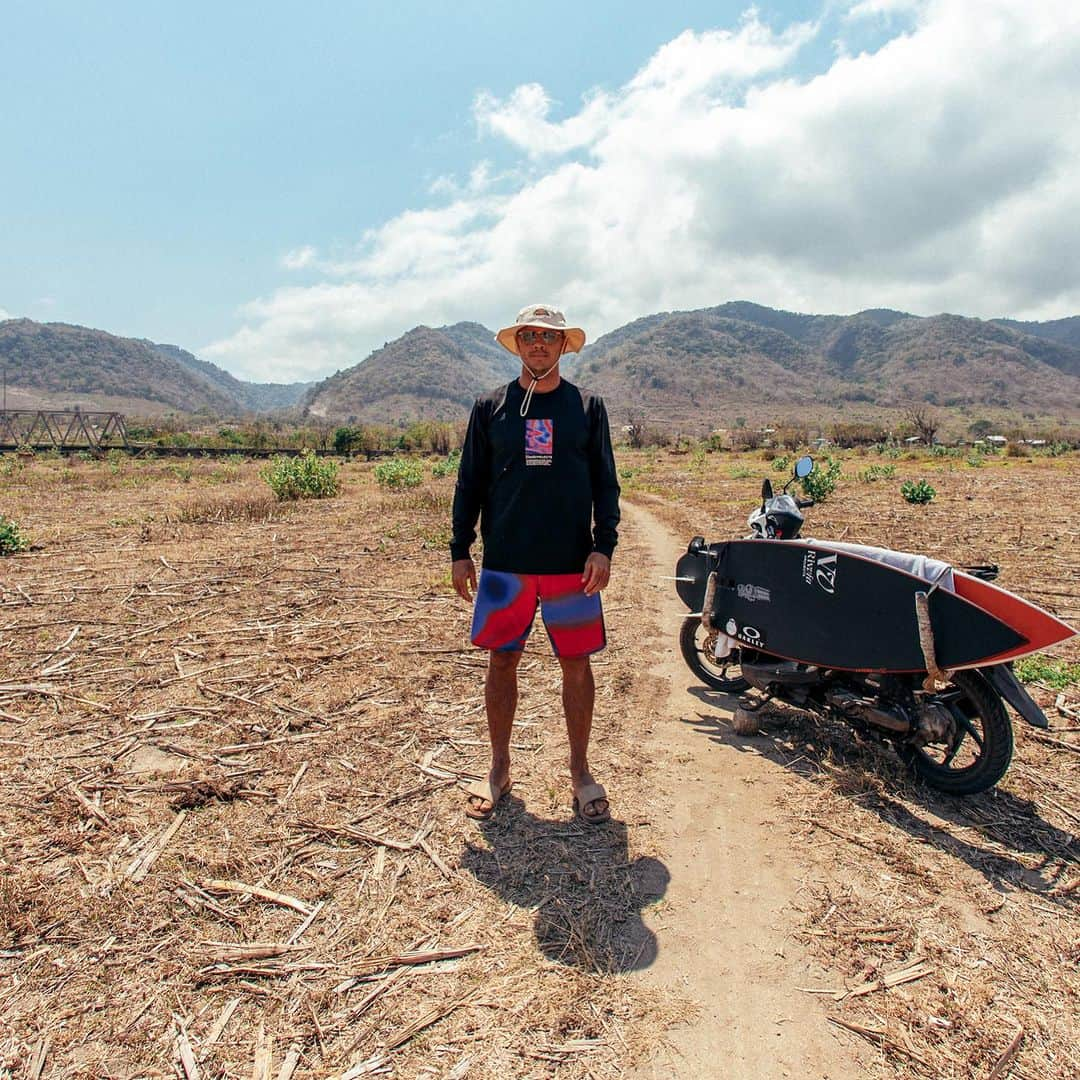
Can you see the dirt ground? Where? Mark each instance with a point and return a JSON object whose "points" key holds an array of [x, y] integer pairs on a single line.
{"points": [[232, 739]]}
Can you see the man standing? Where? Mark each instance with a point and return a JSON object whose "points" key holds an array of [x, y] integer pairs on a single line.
{"points": [[538, 470]]}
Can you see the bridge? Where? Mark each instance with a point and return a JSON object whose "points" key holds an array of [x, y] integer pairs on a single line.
{"points": [[57, 429], [69, 431]]}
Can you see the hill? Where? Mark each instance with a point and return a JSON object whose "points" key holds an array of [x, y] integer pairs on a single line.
{"points": [[694, 368], [1063, 331], [253, 397], [57, 365], [432, 374]]}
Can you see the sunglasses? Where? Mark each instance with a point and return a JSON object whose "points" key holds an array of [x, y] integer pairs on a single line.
{"points": [[548, 337]]}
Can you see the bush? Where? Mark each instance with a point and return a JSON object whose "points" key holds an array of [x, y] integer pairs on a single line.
{"points": [[11, 539], [399, 473], [1051, 672], [821, 483], [782, 463], [877, 472], [444, 468], [917, 492], [303, 477]]}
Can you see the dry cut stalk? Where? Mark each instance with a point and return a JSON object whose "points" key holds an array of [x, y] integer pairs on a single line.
{"points": [[140, 866], [240, 889], [1006, 1058], [292, 1059], [916, 970], [185, 1053], [219, 1027], [37, 1062]]}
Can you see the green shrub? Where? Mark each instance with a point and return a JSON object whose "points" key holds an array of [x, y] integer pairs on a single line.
{"points": [[877, 472], [11, 539], [917, 492], [303, 477], [782, 463], [1054, 449], [821, 483], [398, 473], [1056, 674], [447, 467]]}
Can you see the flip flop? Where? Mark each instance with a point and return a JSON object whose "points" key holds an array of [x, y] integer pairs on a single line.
{"points": [[483, 789], [587, 796]]}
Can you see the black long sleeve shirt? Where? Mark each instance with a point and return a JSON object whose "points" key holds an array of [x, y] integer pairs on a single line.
{"points": [[544, 486]]}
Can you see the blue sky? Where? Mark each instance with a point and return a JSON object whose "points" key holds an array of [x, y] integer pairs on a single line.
{"points": [[283, 187]]}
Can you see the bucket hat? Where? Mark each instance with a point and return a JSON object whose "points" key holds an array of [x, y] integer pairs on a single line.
{"points": [[542, 317]]}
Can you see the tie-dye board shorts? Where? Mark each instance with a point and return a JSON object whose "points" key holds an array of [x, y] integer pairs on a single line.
{"points": [[506, 604]]}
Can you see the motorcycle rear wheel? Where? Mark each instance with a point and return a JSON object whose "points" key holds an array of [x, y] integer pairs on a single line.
{"points": [[980, 754], [696, 645]]}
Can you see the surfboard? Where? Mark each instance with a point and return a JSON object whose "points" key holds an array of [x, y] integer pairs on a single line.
{"points": [[1039, 627], [838, 610]]}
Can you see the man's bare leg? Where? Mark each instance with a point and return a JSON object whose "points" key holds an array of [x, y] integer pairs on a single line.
{"points": [[500, 699], [578, 695]]}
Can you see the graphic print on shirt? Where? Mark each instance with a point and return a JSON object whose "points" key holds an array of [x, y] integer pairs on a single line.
{"points": [[539, 441]]}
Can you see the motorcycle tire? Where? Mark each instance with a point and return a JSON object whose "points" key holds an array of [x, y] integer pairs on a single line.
{"points": [[696, 646], [983, 723]]}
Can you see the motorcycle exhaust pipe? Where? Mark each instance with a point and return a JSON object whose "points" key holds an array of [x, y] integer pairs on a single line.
{"points": [[868, 710]]}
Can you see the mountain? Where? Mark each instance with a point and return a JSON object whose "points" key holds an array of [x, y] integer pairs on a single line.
{"points": [[690, 370], [253, 397], [54, 365], [431, 374], [694, 368], [57, 365], [1063, 331]]}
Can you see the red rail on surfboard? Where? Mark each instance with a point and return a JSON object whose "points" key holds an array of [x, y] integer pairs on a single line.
{"points": [[1039, 627]]}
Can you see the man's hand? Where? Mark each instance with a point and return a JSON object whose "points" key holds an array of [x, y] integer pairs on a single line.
{"points": [[463, 574], [597, 573]]}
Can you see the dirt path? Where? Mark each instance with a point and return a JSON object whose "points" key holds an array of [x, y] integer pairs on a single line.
{"points": [[724, 929]]}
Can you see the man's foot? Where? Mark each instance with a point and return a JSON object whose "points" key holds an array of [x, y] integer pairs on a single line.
{"points": [[484, 796], [591, 804]]}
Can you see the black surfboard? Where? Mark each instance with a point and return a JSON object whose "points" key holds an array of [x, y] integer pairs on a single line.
{"points": [[835, 610]]}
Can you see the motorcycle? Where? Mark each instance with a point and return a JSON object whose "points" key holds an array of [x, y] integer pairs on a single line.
{"points": [[957, 738]]}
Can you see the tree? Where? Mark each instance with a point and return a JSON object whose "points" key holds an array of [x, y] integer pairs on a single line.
{"points": [[635, 431], [924, 419]]}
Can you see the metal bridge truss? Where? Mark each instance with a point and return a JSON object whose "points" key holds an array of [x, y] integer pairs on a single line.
{"points": [[45, 428]]}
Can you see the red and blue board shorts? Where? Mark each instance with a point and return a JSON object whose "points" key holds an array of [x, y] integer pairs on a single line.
{"points": [[506, 605]]}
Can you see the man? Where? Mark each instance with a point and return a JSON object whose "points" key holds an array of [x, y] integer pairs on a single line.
{"points": [[538, 471]]}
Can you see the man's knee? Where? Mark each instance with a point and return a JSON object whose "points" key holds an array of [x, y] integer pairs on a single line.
{"points": [[575, 667], [503, 663]]}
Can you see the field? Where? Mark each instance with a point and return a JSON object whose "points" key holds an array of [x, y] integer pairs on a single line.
{"points": [[232, 734]]}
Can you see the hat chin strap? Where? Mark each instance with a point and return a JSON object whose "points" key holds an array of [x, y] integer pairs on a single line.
{"points": [[527, 401]]}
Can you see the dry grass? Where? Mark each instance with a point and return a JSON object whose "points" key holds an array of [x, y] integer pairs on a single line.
{"points": [[231, 830], [977, 901]]}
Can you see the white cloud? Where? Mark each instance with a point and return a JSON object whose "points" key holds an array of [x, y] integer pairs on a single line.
{"points": [[940, 171], [300, 258], [5, 315], [887, 8]]}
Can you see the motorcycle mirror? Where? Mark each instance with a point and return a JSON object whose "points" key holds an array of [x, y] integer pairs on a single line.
{"points": [[804, 466]]}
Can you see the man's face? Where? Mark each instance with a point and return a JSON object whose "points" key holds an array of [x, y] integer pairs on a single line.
{"points": [[540, 347]]}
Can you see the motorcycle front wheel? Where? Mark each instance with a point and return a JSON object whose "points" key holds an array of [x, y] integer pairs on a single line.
{"points": [[980, 748], [696, 645]]}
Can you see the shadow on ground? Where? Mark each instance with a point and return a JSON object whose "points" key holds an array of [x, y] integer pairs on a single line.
{"points": [[1007, 826], [587, 895]]}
